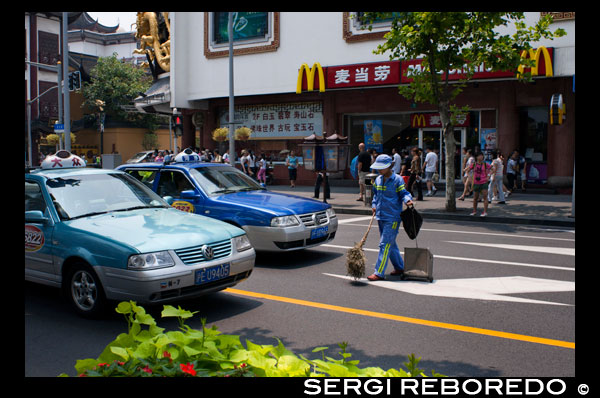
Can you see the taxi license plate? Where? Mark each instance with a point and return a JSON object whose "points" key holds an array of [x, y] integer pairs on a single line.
{"points": [[211, 274], [318, 232]]}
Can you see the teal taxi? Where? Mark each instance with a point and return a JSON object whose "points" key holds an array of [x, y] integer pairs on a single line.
{"points": [[102, 235]]}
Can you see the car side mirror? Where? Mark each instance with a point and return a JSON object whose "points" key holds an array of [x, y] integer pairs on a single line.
{"points": [[36, 217], [169, 200], [189, 194]]}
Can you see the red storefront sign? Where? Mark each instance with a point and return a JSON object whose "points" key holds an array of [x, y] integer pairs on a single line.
{"points": [[369, 74], [434, 120], [399, 72]]}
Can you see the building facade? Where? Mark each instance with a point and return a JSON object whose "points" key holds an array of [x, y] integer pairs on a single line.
{"points": [[299, 73]]}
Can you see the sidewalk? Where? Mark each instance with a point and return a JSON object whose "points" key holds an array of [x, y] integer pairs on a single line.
{"points": [[520, 208]]}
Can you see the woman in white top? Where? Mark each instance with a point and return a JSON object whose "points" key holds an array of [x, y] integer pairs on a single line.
{"points": [[496, 178], [467, 174]]}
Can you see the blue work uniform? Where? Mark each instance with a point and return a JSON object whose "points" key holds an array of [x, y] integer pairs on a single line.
{"points": [[387, 202]]}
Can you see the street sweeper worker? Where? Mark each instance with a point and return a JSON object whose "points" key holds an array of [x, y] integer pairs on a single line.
{"points": [[388, 195]]}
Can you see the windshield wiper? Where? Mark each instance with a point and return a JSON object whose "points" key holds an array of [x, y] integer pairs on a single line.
{"points": [[251, 189], [88, 215], [225, 191], [142, 207]]}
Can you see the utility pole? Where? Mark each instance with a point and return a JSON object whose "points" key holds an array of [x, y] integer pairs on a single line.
{"points": [[231, 109], [65, 70]]}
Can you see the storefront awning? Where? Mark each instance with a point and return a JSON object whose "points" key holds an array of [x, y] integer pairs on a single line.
{"points": [[157, 99]]}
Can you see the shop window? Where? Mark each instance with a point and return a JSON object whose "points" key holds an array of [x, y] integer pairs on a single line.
{"points": [[533, 133], [253, 32], [246, 26], [381, 132], [355, 25]]}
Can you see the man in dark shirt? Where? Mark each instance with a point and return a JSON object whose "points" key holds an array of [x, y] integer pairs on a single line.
{"points": [[364, 167]]}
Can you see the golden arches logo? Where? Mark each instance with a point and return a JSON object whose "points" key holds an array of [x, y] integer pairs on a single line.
{"points": [[310, 77], [537, 56], [418, 120]]}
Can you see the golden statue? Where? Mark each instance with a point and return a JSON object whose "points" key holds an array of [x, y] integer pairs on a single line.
{"points": [[155, 40]]}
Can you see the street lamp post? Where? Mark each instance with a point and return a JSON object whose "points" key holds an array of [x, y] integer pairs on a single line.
{"points": [[231, 109]]}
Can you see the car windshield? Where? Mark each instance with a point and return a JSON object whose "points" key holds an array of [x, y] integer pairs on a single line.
{"points": [[85, 195], [223, 180], [138, 156]]}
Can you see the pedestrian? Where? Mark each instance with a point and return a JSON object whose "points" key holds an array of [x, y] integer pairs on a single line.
{"points": [[496, 178], [405, 169], [322, 177], [262, 169], [292, 165], [397, 161], [226, 156], [160, 157], [218, 158], [415, 173], [389, 194], [431, 166], [245, 163], [364, 167], [467, 174], [522, 170], [512, 170], [252, 163], [481, 171]]}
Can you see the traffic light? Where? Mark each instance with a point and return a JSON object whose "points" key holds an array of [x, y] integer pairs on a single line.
{"points": [[177, 125], [74, 81]]}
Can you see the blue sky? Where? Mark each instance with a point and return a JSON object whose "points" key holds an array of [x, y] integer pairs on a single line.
{"points": [[125, 19]]}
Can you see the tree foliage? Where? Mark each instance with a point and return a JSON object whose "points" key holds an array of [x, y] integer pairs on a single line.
{"points": [[448, 41], [117, 83]]}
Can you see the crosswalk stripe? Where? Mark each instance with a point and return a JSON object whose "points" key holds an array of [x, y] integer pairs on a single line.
{"points": [[567, 251], [477, 260]]}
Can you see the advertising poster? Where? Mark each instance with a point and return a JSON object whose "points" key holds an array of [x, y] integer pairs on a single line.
{"points": [[537, 173], [488, 140], [374, 135]]}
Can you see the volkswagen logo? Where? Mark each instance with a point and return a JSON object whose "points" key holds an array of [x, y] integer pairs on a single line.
{"points": [[208, 253]]}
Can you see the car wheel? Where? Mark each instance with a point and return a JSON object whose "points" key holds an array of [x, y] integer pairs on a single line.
{"points": [[84, 290]]}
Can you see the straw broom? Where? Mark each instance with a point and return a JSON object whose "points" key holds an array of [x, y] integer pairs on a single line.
{"points": [[355, 258]]}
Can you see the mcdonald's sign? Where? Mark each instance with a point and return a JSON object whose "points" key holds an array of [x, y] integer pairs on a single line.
{"points": [[539, 68], [310, 78], [434, 120]]}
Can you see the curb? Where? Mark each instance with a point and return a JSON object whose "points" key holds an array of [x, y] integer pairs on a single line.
{"points": [[432, 215]]}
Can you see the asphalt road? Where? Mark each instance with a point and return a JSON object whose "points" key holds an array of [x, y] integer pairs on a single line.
{"points": [[502, 304]]}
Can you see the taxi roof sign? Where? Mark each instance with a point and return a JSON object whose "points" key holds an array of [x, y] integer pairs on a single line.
{"points": [[187, 155], [62, 160]]}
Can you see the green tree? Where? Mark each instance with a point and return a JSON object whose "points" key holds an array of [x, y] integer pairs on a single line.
{"points": [[117, 83], [456, 40]]}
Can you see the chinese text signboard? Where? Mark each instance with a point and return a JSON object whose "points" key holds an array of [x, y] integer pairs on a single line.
{"points": [[400, 72], [287, 121], [371, 74]]}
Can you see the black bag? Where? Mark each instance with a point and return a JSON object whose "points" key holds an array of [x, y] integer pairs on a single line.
{"points": [[412, 221]]}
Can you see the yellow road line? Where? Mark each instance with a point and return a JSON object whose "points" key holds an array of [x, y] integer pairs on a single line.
{"points": [[399, 318]]}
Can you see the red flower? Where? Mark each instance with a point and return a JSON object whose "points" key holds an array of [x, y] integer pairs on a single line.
{"points": [[147, 369], [167, 354], [189, 368]]}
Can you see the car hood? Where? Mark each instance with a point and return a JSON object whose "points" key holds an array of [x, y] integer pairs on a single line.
{"points": [[275, 203], [149, 230]]}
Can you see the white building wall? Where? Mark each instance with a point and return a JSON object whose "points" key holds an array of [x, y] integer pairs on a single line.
{"points": [[305, 37]]}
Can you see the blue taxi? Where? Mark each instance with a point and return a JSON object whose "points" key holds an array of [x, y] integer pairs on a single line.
{"points": [[273, 221], [102, 235]]}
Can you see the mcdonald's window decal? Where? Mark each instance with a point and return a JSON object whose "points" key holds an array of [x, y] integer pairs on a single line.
{"points": [[373, 130]]}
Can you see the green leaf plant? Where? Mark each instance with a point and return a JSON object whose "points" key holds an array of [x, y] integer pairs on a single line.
{"points": [[147, 350]]}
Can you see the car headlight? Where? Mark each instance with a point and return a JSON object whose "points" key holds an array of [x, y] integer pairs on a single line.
{"points": [[242, 243], [285, 221], [147, 261], [331, 213]]}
